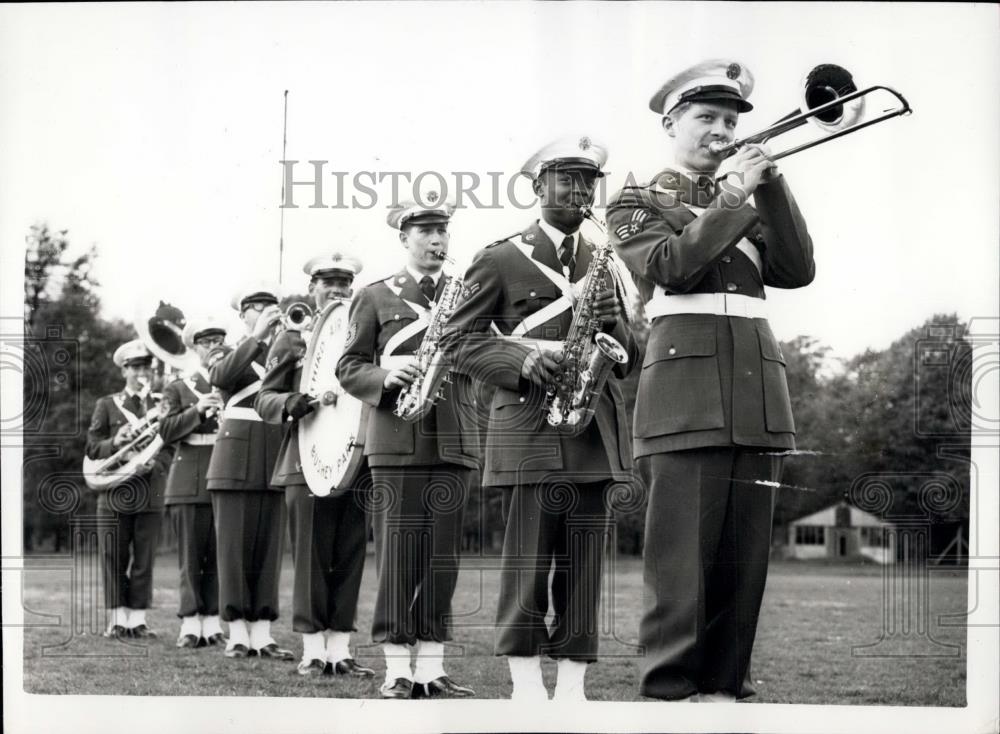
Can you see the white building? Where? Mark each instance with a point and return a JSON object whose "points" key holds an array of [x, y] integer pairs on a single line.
{"points": [[841, 531]]}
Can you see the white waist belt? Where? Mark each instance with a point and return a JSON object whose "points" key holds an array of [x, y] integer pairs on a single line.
{"points": [[720, 304], [395, 361], [200, 439], [547, 345], [241, 414]]}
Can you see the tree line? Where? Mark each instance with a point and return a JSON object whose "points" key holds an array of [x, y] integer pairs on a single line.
{"points": [[887, 430]]}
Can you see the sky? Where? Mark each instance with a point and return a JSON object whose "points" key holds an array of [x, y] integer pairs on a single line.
{"points": [[155, 132]]}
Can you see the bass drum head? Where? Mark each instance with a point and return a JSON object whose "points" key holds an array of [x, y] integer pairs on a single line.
{"points": [[330, 438]]}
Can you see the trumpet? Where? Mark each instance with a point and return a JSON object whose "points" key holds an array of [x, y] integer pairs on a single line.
{"points": [[297, 316]]}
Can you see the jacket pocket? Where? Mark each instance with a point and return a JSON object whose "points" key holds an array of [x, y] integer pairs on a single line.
{"points": [[679, 388], [388, 434], [231, 455], [777, 403]]}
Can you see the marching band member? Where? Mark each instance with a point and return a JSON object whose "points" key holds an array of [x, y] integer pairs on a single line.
{"points": [[133, 510], [422, 470], [712, 402], [329, 533], [191, 422], [508, 332], [249, 511]]}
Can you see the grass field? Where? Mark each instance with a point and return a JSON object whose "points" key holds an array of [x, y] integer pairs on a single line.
{"points": [[813, 616]]}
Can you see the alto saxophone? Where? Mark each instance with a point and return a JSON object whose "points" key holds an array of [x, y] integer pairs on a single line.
{"points": [[588, 352], [416, 399]]}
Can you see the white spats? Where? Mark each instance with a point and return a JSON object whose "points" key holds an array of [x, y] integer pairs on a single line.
{"points": [[397, 662], [569, 682], [211, 625], [338, 646], [190, 626], [526, 675], [260, 634], [313, 647], [430, 661], [136, 618], [118, 618], [239, 634]]}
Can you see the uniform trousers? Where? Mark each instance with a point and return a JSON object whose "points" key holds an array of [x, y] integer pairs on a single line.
{"points": [[708, 534], [564, 526], [417, 514], [128, 551], [329, 536], [250, 533], [194, 526]]}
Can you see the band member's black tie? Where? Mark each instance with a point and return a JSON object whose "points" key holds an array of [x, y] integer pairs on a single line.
{"points": [[134, 404], [427, 287], [566, 255], [704, 190]]}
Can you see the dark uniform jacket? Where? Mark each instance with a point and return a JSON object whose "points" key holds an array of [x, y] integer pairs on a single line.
{"points": [[711, 380], [193, 437], [100, 445], [284, 374], [503, 287], [448, 433], [245, 450]]}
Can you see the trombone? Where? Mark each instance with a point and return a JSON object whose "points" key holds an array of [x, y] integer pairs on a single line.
{"points": [[835, 85]]}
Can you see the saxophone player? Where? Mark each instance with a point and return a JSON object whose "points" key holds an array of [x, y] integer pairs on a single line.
{"points": [[420, 470], [328, 534], [508, 332]]}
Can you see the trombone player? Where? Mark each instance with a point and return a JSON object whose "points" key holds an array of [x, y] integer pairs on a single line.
{"points": [[135, 508], [712, 412]]}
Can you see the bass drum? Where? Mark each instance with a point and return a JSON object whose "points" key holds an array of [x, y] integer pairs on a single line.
{"points": [[331, 438]]}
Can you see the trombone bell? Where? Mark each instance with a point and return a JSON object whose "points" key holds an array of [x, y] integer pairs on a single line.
{"points": [[828, 83]]}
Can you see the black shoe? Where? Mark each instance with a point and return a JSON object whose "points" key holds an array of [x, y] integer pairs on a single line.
{"points": [[274, 652], [349, 666], [217, 639], [188, 642], [237, 651], [143, 632], [117, 632], [313, 668], [400, 688], [443, 686]]}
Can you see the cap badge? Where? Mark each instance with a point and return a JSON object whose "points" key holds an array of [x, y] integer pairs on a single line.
{"points": [[585, 143], [733, 71], [432, 196]]}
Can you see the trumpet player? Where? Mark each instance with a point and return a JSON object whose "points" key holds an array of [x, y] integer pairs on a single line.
{"points": [[131, 511], [249, 511], [508, 332], [192, 411], [329, 533], [421, 470], [712, 408]]}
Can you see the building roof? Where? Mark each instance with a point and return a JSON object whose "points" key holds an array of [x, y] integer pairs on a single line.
{"points": [[828, 518]]}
